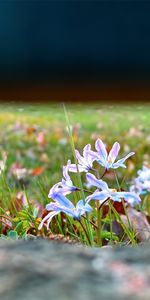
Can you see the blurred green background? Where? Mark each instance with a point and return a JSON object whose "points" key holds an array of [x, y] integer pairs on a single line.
{"points": [[36, 141]]}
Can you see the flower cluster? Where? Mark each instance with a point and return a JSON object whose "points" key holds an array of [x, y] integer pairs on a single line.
{"points": [[102, 193], [141, 184]]}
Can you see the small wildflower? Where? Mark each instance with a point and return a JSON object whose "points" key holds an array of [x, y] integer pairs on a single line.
{"points": [[108, 160], [141, 184], [65, 186], [63, 204], [66, 182], [85, 162], [107, 193]]}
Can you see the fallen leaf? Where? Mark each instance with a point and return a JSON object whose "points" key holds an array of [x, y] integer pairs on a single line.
{"points": [[139, 223], [30, 130], [37, 171], [41, 138]]}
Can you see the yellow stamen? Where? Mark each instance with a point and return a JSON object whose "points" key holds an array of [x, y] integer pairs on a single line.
{"points": [[109, 161]]}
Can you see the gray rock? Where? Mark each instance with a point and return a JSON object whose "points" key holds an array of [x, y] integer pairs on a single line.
{"points": [[41, 270]]}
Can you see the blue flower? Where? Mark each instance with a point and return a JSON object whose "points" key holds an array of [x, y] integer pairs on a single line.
{"points": [[108, 160], [85, 162], [107, 193], [62, 204], [65, 186], [141, 184]]}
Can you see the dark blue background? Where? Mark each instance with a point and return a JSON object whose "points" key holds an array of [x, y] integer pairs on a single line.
{"points": [[74, 40]]}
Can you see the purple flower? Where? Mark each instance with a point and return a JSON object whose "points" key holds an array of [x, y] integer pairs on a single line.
{"points": [[105, 193], [108, 160], [62, 204], [137, 187], [85, 162], [65, 186], [144, 174], [66, 182], [141, 184]]}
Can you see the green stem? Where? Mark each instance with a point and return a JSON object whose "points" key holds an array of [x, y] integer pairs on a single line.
{"points": [[88, 227], [78, 189], [126, 213], [126, 230], [117, 181], [99, 213], [103, 203], [74, 154], [90, 222], [84, 229], [110, 217], [99, 225], [105, 171]]}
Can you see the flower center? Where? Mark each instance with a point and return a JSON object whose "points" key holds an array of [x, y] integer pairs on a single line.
{"points": [[109, 161]]}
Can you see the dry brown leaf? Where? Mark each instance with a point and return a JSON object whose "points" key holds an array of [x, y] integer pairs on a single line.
{"points": [[139, 223], [37, 171]]}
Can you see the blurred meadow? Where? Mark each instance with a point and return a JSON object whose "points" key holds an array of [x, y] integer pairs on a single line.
{"points": [[37, 145], [34, 146]]}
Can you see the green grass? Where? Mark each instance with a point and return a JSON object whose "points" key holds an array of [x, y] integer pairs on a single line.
{"points": [[21, 124], [111, 123]]}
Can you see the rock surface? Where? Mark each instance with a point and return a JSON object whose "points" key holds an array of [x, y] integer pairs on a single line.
{"points": [[41, 270]]}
